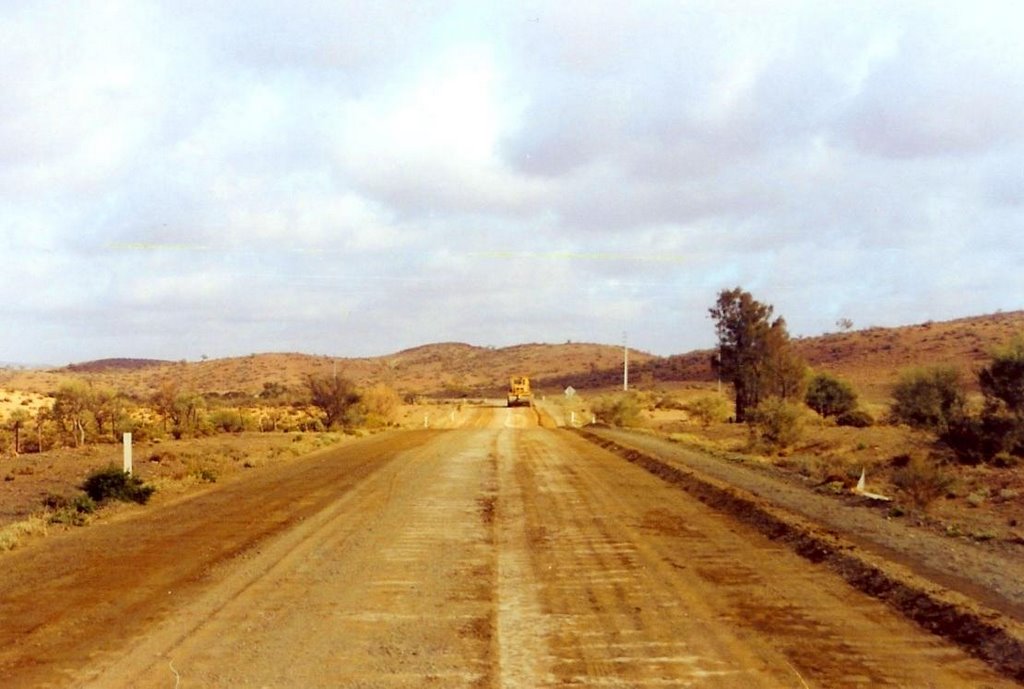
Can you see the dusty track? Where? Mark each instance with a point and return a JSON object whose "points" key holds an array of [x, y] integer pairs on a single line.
{"points": [[496, 555]]}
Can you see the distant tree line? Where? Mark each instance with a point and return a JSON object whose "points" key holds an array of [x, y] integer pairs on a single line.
{"points": [[83, 413]]}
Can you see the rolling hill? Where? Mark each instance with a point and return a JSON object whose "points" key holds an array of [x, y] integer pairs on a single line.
{"points": [[870, 358]]}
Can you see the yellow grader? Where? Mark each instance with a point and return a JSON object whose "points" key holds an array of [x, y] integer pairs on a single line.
{"points": [[519, 394]]}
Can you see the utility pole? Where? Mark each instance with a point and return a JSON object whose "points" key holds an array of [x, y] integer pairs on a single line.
{"points": [[625, 363]]}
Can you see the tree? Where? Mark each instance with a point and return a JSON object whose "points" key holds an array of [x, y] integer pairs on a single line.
{"points": [[71, 410], [830, 396], [754, 352], [106, 405], [932, 398], [17, 421], [42, 417], [163, 402], [1002, 381], [333, 395], [184, 411], [1000, 426]]}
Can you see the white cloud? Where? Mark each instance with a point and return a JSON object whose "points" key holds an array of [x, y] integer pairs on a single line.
{"points": [[496, 172]]}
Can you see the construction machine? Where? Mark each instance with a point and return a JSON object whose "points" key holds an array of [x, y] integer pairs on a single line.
{"points": [[519, 394]]}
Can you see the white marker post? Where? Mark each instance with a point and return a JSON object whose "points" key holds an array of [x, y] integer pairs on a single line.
{"points": [[127, 440]]}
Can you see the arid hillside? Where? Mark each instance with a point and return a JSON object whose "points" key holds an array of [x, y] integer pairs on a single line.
{"points": [[872, 358], [869, 358], [449, 369]]}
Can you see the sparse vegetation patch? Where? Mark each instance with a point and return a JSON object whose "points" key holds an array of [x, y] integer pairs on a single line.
{"points": [[112, 483]]}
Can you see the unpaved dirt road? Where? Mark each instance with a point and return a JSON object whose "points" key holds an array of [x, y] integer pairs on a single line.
{"points": [[498, 554]]}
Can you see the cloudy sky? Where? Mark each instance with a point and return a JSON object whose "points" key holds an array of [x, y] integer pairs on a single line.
{"points": [[188, 178]]}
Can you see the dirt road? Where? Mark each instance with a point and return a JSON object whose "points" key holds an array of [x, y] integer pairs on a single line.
{"points": [[499, 554]]}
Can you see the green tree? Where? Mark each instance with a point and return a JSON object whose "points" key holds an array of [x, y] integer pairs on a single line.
{"points": [[1000, 426], [830, 396], [754, 351], [163, 402], [332, 395], [17, 421], [185, 412], [71, 410], [106, 405], [932, 398], [1002, 381]]}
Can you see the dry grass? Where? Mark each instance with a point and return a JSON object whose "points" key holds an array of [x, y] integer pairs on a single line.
{"points": [[175, 467], [16, 534]]}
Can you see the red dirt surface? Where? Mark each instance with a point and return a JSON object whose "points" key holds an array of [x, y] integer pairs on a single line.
{"points": [[495, 554]]}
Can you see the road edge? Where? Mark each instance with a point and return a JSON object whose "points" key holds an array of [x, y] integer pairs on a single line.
{"points": [[981, 632]]}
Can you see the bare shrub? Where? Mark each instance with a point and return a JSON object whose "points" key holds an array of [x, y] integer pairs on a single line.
{"points": [[921, 478]]}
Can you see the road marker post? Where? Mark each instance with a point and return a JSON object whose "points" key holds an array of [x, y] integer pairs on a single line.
{"points": [[127, 440]]}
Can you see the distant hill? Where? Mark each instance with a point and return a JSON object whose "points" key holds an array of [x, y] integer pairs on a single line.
{"points": [[870, 358], [102, 365]]}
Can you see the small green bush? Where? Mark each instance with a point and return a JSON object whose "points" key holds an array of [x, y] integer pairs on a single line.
{"points": [[112, 483], [978, 439], [69, 511], [778, 422], [227, 420], [205, 474], [931, 398], [708, 409], [855, 418], [618, 410], [830, 396]]}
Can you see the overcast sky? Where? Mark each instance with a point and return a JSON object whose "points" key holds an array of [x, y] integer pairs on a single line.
{"points": [[188, 178]]}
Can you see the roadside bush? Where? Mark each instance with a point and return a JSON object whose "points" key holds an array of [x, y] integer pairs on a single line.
{"points": [[112, 483], [830, 396], [618, 410], [226, 420], [68, 511], [978, 439], [1002, 380], [855, 418], [930, 398], [378, 405], [204, 474], [920, 478], [709, 409], [779, 423], [668, 402]]}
